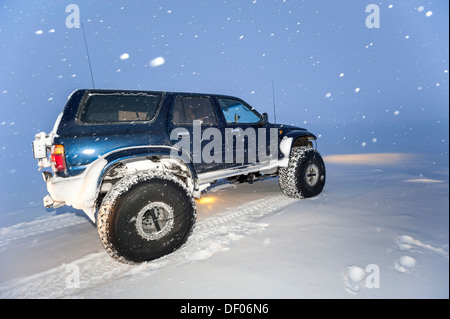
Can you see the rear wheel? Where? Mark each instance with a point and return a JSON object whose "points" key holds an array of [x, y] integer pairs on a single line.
{"points": [[305, 174], [145, 216]]}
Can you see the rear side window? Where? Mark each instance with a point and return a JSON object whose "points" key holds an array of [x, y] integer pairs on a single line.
{"points": [[110, 108], [187, 109]]}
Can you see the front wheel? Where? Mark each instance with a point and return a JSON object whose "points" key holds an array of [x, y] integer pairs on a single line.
{"points": [[305, 174], [145, 216]]}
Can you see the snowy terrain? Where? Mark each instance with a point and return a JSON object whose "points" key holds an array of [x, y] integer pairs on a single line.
{"points": [[379, 230], [377, 99]]}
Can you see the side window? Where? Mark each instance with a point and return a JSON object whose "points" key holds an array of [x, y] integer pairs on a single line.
{"points": [[103, 108], [236, 112], [187, 109]]}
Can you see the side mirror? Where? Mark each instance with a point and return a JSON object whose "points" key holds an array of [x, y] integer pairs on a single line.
{"points": [[265, 118]]}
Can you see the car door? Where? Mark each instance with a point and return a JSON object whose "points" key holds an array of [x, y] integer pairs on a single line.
{"points": [[194, 126], [243, 132]]}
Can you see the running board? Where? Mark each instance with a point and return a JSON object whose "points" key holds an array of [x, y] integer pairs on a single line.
{"points": [[206, 178]]}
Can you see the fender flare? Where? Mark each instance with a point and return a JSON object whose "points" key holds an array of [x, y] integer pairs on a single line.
{"points": [[82, 191], [295, 138], [139, 153], [297, 134]]}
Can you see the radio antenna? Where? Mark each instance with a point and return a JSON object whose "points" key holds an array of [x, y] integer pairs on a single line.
{"points": [[274, 109], [89, 58]]}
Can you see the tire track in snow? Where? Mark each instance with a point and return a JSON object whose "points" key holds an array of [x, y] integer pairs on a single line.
{"points": [[210, 236], [38, 226]]}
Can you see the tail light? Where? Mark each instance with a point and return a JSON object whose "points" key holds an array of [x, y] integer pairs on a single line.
{"points": [[58, 158]]}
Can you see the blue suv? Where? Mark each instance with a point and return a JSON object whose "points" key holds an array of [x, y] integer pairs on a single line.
{"points": [[134, 161]]}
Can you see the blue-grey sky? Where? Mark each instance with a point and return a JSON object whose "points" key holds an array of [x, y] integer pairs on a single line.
{"points": [[362, 90]]}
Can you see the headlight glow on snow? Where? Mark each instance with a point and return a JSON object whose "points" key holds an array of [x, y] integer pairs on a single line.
{"points": [[207, 200], [369, 159]]}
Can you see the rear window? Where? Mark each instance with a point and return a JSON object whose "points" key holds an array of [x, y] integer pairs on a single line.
{"points": [[120, 107]]}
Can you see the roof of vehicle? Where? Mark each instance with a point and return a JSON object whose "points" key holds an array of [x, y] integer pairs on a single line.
{"points": [[125, 91]]}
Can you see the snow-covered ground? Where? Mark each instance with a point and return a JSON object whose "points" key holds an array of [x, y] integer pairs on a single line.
{"points": [[380, 229]]}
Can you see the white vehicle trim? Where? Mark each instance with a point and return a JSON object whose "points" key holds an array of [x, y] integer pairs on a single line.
{"points": [[81, 191]]}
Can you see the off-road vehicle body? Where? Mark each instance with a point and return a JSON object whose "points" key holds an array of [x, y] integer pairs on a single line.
{"points": [[134, 161]]}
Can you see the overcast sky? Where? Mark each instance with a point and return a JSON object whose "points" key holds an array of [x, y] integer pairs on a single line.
{"points": [[361, 89]]}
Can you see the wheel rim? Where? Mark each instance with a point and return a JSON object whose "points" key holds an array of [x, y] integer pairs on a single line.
{"points": [[154, 221], [312, 174]]}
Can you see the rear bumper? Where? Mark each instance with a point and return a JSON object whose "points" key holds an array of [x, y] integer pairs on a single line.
{"points": [[61, 191], [50, 203], [79, 191]]}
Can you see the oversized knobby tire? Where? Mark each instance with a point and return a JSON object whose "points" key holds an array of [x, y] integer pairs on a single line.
{"points": [[145, 216], [305, 174]]}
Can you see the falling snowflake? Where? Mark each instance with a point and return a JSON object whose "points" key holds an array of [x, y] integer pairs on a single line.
{"points": [[157, 62], [124, 56]]}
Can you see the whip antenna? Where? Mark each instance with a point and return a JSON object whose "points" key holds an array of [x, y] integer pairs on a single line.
{"points": [[89, 58], [274, 110]]}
